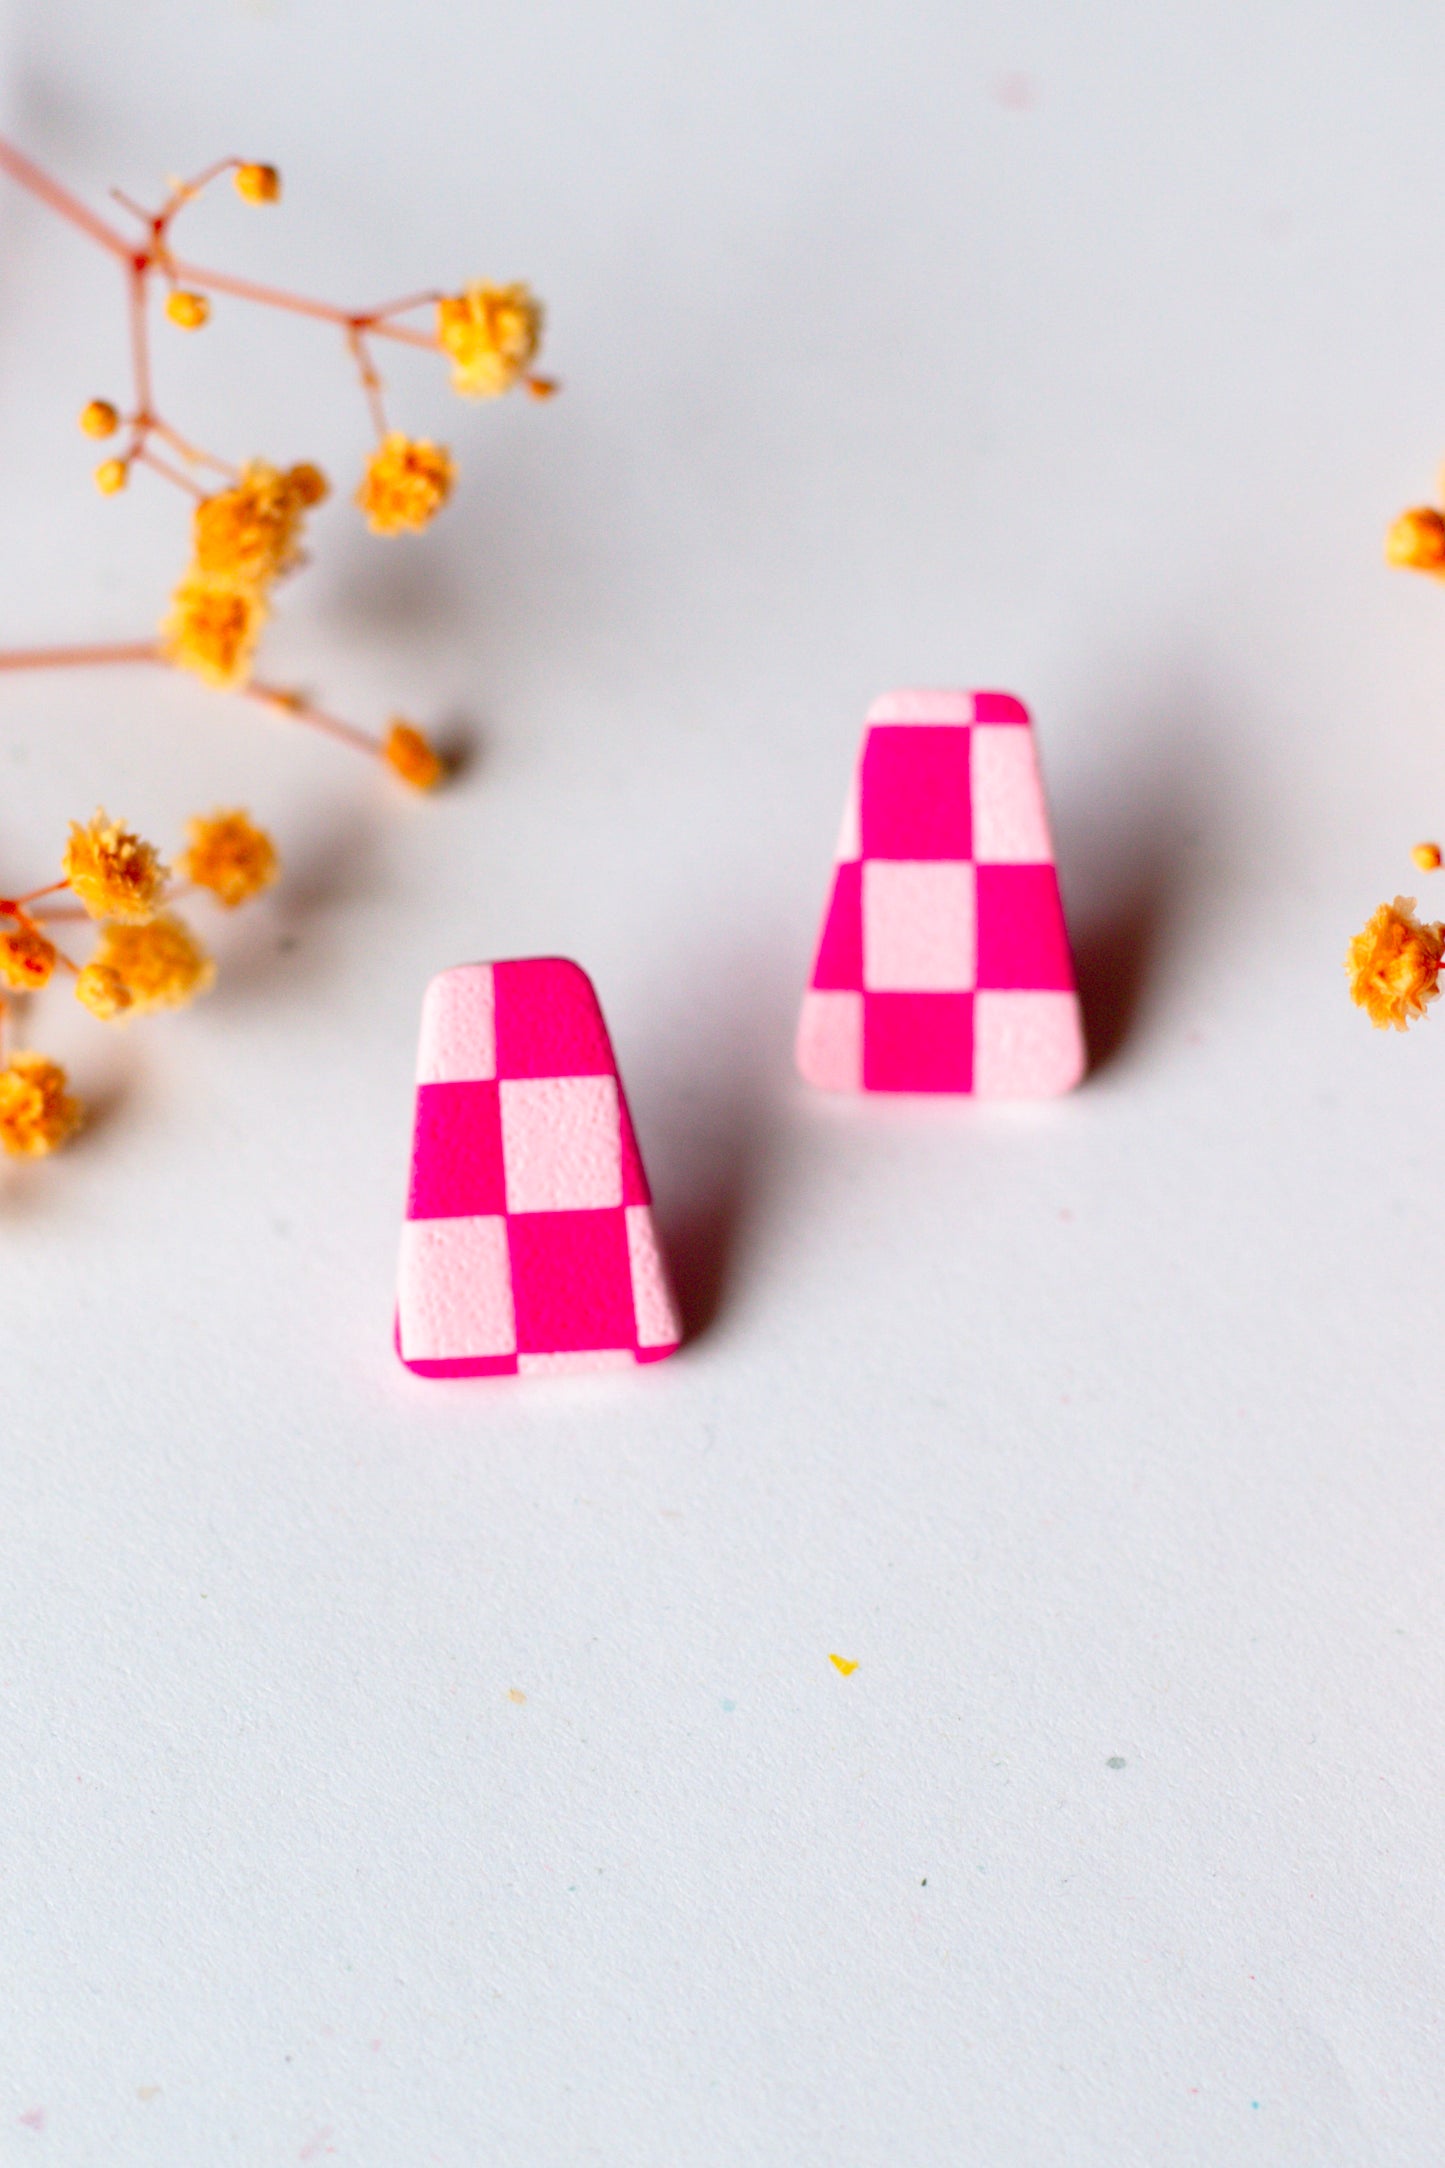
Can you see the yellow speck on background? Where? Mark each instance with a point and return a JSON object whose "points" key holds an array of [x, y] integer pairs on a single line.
{"points": [[514, 1693], [842, 1664]]}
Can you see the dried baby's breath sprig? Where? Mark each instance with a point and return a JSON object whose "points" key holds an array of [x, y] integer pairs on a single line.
{"points": [[247, 533], [37, 1112], [407, 481], [1394, 965]]}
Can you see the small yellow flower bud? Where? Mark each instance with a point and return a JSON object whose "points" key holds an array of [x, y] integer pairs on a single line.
{"points": [[111, 475], [1427, 857], [258, 184], [408, 755], [1417, 541], [99, 419], [188, 310]]}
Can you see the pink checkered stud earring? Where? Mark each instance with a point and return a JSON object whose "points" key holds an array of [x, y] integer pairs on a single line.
{"points": [[943, 964], [529, 1243]]}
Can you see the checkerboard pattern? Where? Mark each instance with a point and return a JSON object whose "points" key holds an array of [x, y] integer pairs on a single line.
{"points": [[943, 964], [529, 1242]]}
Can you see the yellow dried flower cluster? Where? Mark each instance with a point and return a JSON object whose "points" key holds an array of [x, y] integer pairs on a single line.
{"points": [[407, 481], [146, 957], [37, 1112], [27, 959], [229, 855], [137, 969], [492, 334], [243, 539], [112, 872], [1394, 965], [250, 534]]}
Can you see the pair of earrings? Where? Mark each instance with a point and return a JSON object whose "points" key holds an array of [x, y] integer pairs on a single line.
{"points": [[943, 965]]}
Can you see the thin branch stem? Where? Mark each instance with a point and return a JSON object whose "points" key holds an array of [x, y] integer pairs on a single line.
{"points": [[140, 356], [276, 696], [276, 297], [29, 175], [190, 451], [370, 381], [147, 458], [63, 658], [429, 299], [186, 192]]}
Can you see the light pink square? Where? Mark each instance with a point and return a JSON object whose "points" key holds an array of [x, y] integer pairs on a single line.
{"points": [[830, 1041], [657, 1324], [919, 926], [1026, 1045], [1010, 825], [458, 1028], [454, 1292], [561, 1143], [922, 704]]}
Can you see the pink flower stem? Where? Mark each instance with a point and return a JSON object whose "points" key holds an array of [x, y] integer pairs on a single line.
{"points": [[276, 696]]}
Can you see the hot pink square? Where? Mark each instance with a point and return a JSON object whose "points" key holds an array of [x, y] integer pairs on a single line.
{"points": [[998, 708], [916, 800], [456, 1164], [918, 1042], [548, 1021], [840, 948], [572, 1280], [1022, 939]]}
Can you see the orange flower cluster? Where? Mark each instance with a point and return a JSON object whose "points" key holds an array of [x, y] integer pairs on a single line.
{"points": [[147, 958]]}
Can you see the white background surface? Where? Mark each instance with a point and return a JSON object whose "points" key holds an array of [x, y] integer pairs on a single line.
{"points": [[1083, 350]]}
